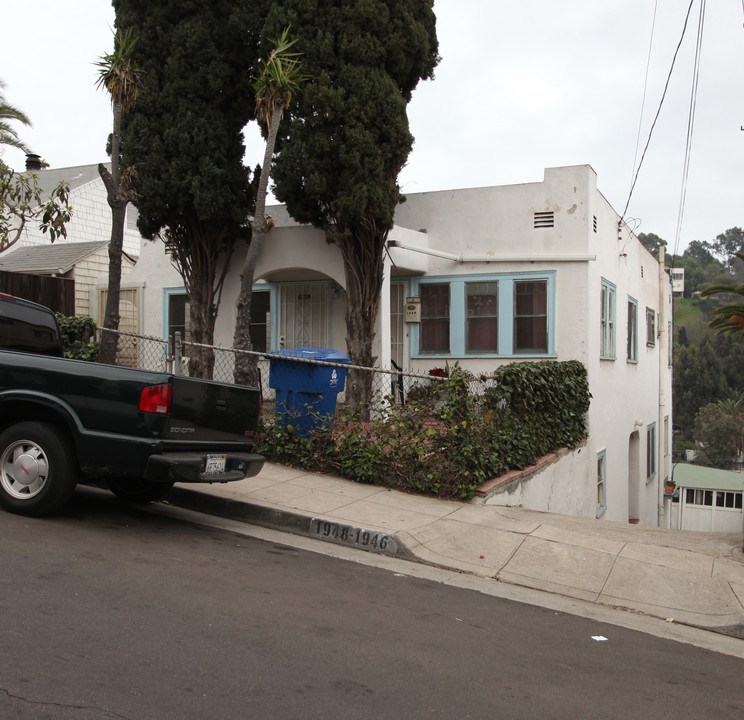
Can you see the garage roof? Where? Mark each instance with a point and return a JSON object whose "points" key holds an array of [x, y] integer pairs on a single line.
{"points": [[697, 476], [55, 259]]}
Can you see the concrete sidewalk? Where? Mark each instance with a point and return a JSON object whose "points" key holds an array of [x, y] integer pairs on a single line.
{"points": [[692, 578]]}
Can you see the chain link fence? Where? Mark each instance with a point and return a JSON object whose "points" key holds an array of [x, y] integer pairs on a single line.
{"points": [[288, 378]]}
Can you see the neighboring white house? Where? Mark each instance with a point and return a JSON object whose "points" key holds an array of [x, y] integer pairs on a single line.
{"points": [[90, 227], [678, 281], [91, 214], [536, 271], [708, 499]]}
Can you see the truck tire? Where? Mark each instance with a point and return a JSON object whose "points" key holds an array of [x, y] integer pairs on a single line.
{"points": [[139, 491], [38, 472]]}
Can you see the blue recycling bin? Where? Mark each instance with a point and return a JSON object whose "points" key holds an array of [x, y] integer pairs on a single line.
{"points": [[306, 393]]}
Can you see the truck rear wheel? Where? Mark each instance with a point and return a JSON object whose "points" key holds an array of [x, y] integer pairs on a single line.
{"points": [[38, 473], [139, 491]]}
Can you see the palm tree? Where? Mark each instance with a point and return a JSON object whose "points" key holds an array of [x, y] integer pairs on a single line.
{"points": [[727, 318], [8, 114], [280, 76], [121, 77]]}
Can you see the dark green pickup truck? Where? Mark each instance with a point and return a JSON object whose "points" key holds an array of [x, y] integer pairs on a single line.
{"points": [[67, 421]]}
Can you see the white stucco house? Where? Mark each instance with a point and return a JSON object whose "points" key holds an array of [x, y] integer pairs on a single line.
{"points": [[83, 254], [536, 271]]}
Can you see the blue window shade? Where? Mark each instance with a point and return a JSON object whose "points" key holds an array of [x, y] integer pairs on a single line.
{"points": [[496, 315]]}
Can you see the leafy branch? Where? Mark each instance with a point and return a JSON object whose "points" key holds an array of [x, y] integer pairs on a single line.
{"points": [[22, 202]]}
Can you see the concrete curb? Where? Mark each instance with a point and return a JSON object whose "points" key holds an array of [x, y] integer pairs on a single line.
{"points": [[285, 520]]}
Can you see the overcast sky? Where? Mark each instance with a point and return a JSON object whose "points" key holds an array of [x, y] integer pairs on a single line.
{"points": [[521, 86]]}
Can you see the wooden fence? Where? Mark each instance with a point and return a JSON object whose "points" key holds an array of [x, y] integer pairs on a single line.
{"points": [[55, 292]]}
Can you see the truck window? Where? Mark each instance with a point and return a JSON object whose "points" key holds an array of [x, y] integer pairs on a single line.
{"points": [[28, 329]]}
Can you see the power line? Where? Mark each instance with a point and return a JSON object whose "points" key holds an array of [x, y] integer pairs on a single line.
{"points": [[645, 88], [658, 112], [690, 126]]}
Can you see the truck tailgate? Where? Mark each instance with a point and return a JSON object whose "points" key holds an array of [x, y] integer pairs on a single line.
{"points": [[212, 411]]}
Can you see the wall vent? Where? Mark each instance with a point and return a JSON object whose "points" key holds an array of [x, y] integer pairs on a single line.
{"points": [[544, 219]]}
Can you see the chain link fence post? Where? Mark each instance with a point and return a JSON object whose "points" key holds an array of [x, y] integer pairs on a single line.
{"points": [[177, 352]]}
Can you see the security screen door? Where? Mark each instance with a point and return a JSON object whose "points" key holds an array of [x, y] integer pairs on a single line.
{"points": [[304, 314]]}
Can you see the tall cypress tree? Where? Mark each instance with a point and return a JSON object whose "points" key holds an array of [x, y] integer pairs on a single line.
{"points": [[184, 139], [347, 138]]}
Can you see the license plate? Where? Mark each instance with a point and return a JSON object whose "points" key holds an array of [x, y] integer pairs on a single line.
{"points": [[215, 464]]}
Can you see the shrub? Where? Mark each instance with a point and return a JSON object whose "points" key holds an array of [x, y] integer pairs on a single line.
{"points": [[447, 441], [78, 335]]}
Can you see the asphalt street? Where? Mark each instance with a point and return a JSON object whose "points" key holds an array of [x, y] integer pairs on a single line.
{"points": [[109, 611]]}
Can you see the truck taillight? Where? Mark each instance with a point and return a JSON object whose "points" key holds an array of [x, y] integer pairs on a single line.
{"points": [[156, 399]]}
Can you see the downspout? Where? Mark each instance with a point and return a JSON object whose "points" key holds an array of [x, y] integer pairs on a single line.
{"points": [[662, 333]]}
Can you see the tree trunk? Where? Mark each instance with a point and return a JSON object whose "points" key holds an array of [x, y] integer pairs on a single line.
{"points": [[362, 250], [202, 318], [118, 198], [246, 366], [196, 254], [110, 340]]}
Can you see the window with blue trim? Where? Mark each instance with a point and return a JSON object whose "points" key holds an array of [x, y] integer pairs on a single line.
{"points": [[177, 313], [650, 327], [435, 318], [607, 348], [487, 315], [531, 316], [632, 330], [482, 322], [651, 452], [601, 482]]}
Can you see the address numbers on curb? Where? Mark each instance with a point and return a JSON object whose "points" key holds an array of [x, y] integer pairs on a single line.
{"points": [[355, 536]]}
